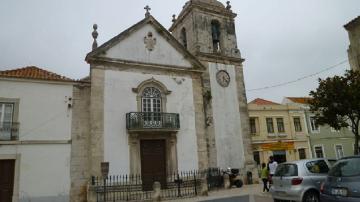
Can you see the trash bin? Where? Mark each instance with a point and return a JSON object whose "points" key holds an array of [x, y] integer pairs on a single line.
{"points": [[249, 177]]}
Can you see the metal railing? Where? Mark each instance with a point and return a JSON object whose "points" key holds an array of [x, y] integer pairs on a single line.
{"points": [[9, 131], [152, 120], [137, 188]]}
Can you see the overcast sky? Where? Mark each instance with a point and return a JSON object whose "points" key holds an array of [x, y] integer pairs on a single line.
{"points": [[281, 40]]}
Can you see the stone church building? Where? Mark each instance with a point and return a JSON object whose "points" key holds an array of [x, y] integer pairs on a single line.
{"points": [[159, 101]]}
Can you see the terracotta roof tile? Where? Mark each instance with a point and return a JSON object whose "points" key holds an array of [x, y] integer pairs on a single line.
{"points": [[259, 101], [32, 72], [300, 100]]}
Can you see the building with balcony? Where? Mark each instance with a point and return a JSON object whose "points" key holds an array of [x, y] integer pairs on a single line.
{"points": [[324, 140], [35, 135], [278, 130]]}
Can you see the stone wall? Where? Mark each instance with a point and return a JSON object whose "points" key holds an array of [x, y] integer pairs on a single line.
{"points": [[79, 164]]}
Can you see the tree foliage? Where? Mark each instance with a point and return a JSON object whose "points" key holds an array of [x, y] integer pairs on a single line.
{"points": [[336, 102]]}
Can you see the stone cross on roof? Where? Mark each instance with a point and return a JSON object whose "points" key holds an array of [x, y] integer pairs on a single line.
{"points": [[147, 8]]}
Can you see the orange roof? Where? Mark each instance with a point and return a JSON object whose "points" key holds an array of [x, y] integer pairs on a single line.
{"points": [[32, 72], [300, 100], [259, 101]]}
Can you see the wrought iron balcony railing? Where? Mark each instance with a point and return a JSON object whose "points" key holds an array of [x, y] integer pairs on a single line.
{"points": [[9, 131], [152, 120]]}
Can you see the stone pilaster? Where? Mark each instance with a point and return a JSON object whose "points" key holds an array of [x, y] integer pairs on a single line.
{"points": [[97, 120], [209, 121], [203, 157], [80, 137], [244, 119]]}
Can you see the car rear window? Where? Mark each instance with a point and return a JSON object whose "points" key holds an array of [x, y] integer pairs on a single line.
{"points": [[318, 166], [286, 170], [346, 168]]}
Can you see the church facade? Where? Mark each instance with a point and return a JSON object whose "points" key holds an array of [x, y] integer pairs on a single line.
{"points": [[156, 102], [162, 101]]}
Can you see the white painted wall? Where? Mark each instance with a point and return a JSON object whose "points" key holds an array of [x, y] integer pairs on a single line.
{"points": [[119, 100], [133, 48], [43, 111], [44, 173], [228, 137], [44, 169]]}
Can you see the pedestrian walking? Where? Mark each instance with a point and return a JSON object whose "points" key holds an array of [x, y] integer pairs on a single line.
{"points": [[265, 177], [272, 165]]}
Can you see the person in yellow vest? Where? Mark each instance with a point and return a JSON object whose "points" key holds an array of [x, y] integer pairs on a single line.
{"points": [[265, 176]]}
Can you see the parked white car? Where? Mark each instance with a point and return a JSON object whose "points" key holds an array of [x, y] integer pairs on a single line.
{"points": [[300, 180]]}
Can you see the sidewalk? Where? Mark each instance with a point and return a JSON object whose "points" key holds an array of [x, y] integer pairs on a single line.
{"points": [[251, 190]]}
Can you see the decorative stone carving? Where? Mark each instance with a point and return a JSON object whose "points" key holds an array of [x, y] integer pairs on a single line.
{"points": [[149, 41], [95, 34], [179, 81]]}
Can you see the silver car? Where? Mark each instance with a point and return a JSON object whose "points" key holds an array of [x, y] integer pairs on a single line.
{"points": [[343, 181], [300, 180]]}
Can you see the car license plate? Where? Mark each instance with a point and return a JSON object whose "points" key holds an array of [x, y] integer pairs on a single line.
{"points": [[339, 192]]}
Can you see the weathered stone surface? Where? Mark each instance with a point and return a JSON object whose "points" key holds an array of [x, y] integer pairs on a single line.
{"points": [[79, 168]]}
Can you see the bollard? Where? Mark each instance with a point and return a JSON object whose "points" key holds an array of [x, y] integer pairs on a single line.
{"points": [[156, 191], [227, 184]]}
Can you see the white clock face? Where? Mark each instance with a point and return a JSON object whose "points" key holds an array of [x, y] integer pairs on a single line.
{"points": [[223, 78]]}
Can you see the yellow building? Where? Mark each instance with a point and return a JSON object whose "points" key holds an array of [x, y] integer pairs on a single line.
{"points": [[278, 130]]}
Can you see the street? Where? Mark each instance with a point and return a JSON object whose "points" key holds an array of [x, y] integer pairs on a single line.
{"points": [[247, 198]]}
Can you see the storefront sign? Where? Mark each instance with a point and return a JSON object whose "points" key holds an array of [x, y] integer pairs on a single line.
{"points": [[277, 146]]}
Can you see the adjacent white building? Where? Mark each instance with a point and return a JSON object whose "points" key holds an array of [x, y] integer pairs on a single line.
{"points": [[35, 135]]}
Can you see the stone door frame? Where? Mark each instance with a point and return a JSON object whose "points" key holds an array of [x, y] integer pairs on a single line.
{"points": [[170, 146]]}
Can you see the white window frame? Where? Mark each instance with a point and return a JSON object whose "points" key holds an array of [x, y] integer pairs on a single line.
{"points": [[301, 125], [273, 127], [311, 129], [256, 122], [297, 150], [342, 150], [322, 149], [283, 125]]}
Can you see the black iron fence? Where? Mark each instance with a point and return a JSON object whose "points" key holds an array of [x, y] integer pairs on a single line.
{"points": [[120, 188], [183, 184], [214, 178], [134, 188], [152, 120], [9, 131]]}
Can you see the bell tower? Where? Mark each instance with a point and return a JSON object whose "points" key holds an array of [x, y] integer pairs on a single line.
{"points": [[206, 28]]}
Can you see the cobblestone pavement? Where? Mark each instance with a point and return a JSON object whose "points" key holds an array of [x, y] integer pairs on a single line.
{"points": [[247, 193]]}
